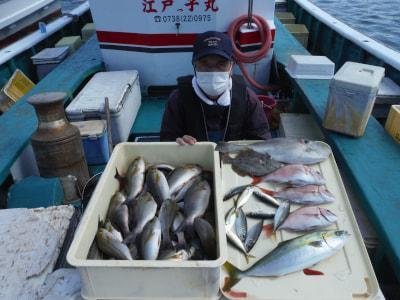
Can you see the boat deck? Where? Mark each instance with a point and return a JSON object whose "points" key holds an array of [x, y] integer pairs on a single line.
{"points": [[371, 162]]}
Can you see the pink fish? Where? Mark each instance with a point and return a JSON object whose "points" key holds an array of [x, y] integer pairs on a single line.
{"points": [[308, 218]]}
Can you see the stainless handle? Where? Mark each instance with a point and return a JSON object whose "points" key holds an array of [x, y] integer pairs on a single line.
{"points": [[126, 91]]}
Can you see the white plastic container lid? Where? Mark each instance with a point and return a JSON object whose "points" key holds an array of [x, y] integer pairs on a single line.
{"points": [[310, 67], [360, 77], [115, 85], [91, 128]]}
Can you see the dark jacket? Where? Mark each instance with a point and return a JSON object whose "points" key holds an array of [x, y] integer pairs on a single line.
{"points": [[187, 114]]}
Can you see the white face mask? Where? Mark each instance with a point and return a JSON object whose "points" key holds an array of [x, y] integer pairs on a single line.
{"points": [[213, 83]]}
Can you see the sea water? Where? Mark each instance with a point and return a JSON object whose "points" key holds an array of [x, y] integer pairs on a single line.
{"points": [[377, 19]]}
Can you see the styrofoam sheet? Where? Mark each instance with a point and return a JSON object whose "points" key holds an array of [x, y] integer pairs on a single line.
{"points": [[30, 241], [12, 11], [141, 279], [347, 275]]}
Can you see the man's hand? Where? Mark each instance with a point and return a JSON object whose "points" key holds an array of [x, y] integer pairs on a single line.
{"points": [[186, 140]]}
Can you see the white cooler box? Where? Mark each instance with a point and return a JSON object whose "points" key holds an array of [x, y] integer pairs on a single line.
{"points": [[123, 91]]}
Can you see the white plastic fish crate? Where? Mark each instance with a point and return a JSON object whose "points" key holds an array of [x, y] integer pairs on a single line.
{"points": [[141, 279], [347, 274]]}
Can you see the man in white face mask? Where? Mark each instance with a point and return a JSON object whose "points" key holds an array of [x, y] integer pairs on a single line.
{"points": [[213, 105]]}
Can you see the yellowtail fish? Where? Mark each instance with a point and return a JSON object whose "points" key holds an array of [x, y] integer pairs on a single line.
{"points": [[291, 256]]}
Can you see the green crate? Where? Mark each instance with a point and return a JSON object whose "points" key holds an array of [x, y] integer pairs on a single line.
{"points": [[72, 42], [300, 32], [87, 31], [286, 17]]}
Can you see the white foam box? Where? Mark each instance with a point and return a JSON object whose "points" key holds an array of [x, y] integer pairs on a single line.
{"points": [[347, 274], [352, 94], [310, 67], [392, 124], [141, 279], [123, 91]]}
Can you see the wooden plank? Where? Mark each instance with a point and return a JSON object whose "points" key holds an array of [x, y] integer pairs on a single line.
{"points": [[19, 123], [371, 162]]}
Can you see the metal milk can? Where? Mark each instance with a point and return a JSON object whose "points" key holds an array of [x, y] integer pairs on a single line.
{"points": [[57, 144]]}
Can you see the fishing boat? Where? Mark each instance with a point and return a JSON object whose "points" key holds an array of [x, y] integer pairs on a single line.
{"points": [[22, 38], [370, 165]]}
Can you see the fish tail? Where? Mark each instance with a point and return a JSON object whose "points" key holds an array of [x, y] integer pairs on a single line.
{"points": [[180, 227], [247, 256], [181, 238], [225, 147], [166, 239], [121, 180], [256, 180], [233, 276], [226, 158], [190, 229], [130, 238]]}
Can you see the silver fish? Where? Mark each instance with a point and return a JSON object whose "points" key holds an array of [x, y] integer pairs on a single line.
{"points": [[120, 219], [266, 198], [296, 175], [116, 234], [180, 195], [142, 211], [157, 185], [181, 175], [252, 236], [166, 215], [207, 237], [236, 190], [151, 240], [252, 163], [244, 196], [230, 221], [196, 203], [197, 249], [162, 166], [135, 178], [260, 215], [116, 200], [291, 256], [179, 218], [180, 255], [285, 149], [111, 246], [133, 251], [241, 225], [306, 195], [281, 214], [309, 218]]}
